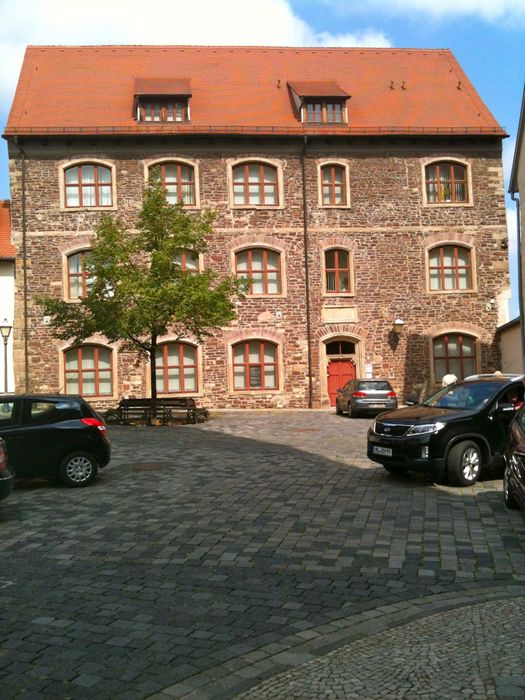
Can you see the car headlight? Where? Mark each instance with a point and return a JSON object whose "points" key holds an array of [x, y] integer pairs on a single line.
{"points": [[425, 428]]}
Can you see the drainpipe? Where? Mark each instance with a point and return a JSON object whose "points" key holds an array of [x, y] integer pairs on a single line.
{"points": [[24, 266], [307, 275], [520, 279]]}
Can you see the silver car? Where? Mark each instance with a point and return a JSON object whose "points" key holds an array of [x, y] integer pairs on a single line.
{"points": [[365, 396]]}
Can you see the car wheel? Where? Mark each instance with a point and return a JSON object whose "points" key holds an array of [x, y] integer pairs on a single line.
{"points": [[508, 494], [351, 414], [395, 469], [337, 409], [78, 469], [464, 463]]}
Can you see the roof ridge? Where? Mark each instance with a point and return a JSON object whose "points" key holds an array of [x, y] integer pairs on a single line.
{"points": [[266, 47]]}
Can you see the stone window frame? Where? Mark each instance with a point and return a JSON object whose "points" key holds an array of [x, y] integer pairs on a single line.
{"points": [[447, 159], [65, 165], [265, 245], [439, 329], [336, 245], [346, 167], [152, 162], [198, 367], [273, 162], [461, 241], [260, 333], [113, 366]]}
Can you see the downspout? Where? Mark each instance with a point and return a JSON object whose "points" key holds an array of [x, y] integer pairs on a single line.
{"points": [[24, 266], [520, 279], [307, 275]]}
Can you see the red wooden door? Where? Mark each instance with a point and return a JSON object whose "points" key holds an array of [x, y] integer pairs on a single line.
{"points": [[339, 372]]}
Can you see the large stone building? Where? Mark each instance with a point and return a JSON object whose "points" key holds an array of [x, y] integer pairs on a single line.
{"points": [[355, 187]]}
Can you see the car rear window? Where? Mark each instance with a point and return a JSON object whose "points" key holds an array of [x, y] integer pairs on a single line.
{"points": [[374, 386], [42, 412]]}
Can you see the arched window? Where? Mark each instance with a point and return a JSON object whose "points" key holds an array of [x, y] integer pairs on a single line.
{"points": [[338, 279], [454, 353], [449, 268], [333, 185], [178, 181], [262, 267], [88, 371], [255, 184], [446, 183], [176, 368], [188, 261], [78, 279], [88, 185], [255, 366]]}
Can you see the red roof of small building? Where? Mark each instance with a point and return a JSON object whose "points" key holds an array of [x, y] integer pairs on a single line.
{"points": [[90, 90], [7, 249]]}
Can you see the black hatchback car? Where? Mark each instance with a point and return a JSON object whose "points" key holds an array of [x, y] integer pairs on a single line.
{"points": [[455, 432], [53, 436]]}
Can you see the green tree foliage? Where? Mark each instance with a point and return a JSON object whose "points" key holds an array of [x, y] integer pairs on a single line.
{"points": [[139, 290]]}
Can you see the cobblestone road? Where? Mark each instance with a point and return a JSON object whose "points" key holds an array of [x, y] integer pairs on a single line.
{"points": [[259, 554]]}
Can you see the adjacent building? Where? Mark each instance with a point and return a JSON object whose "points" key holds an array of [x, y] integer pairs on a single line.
{"points": [[360, 190], [7, 297]]}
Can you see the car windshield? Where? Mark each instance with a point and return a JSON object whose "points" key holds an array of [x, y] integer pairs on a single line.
{"points": [[463, 396]]}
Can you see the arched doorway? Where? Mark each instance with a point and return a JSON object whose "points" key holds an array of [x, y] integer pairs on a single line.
{"points": [[340, 365]]}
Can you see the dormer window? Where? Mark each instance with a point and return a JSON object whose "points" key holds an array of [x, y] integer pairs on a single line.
{"points": [[162, 100], [323, 112], [163, 112], [320, 102]]}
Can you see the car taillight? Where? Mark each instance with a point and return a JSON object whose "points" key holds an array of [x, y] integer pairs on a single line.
{"points": [[391, 395], [95, 423], [359, 394]]}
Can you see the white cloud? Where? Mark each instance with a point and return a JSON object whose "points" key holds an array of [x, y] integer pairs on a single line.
{"points": [[234, 22], [495, 11]]}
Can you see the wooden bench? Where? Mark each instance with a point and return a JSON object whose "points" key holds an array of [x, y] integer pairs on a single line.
{"points": [[168, 408]]}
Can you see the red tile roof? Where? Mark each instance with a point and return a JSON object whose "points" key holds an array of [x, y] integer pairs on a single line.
{"points": [[90, 89], [7, 250]]}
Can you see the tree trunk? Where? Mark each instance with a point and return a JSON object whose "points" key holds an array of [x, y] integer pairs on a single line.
{"points": [[153, 379]]}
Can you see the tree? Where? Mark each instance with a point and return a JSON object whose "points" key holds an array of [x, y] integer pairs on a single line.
{"points": [[138, 290]]}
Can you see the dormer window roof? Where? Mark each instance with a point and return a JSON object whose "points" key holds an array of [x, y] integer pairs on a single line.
{"points": [[162, 100], [320, 101]]}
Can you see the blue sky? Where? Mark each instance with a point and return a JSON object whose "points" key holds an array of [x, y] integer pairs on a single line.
{"points": [[486, 36]]}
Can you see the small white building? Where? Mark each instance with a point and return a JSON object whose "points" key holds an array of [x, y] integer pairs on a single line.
{"points": [[7, 294], [510, 346]]}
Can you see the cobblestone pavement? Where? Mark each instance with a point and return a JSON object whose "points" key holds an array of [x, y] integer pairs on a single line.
{"points": [[259, 554]]}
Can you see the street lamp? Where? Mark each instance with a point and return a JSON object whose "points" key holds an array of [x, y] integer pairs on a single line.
{"points": [[5, 332]]}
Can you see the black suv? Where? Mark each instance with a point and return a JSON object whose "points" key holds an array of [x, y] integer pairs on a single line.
{"points": [[455, 432], [53, 435]]}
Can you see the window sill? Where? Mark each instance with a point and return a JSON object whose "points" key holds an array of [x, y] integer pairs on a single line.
{"points": [[451, 291], [336, 295], [113, 207], [442, 205], [264, 296], [255, 207], [335, 206]]}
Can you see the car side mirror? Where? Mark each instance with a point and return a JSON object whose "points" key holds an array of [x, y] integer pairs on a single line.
{"points": [[412, 401]]}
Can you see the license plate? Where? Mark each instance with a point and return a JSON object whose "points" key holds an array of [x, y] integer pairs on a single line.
{"points": [[385, 451], [377, 405]]}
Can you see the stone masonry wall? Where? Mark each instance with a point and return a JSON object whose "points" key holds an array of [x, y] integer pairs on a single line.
{"points": [[387, 228]]}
